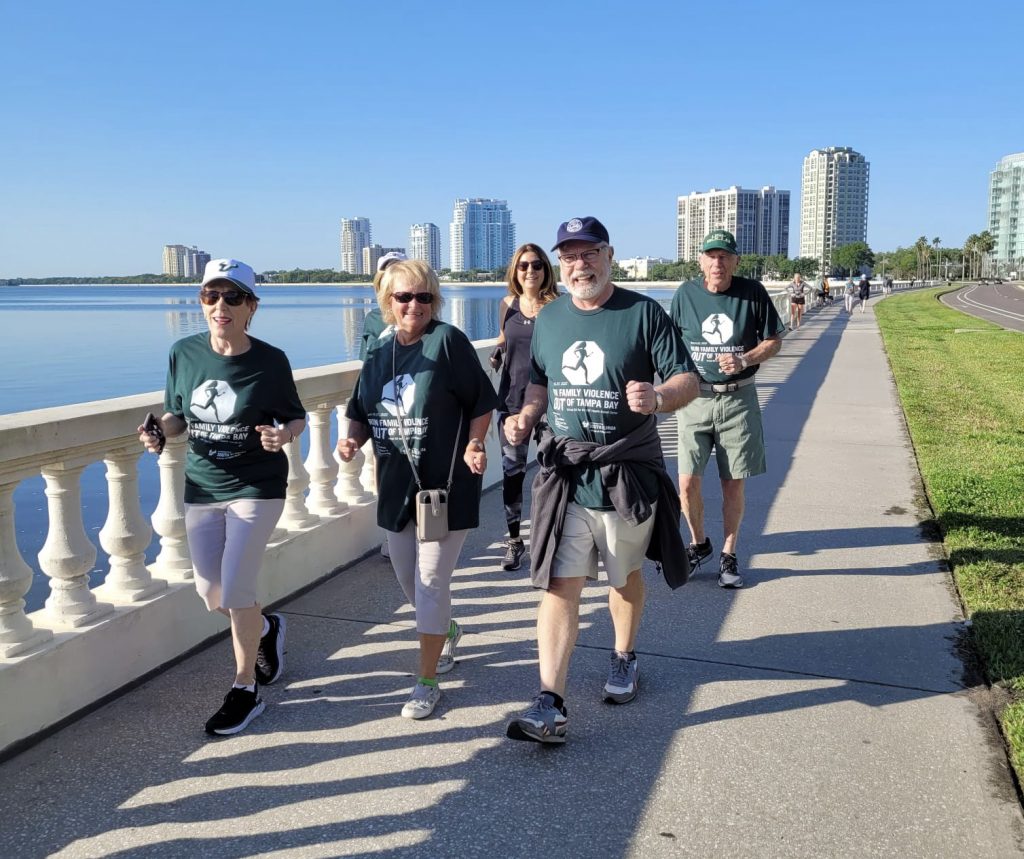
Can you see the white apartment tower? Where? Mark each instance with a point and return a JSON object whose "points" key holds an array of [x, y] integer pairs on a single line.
{"points": [[833, 202], [1006, 210], [425, 244], [758, 219], [482, 234], [182, 261], [355, 235]]}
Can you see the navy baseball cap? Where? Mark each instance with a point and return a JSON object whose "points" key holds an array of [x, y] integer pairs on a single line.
{"points": [[585, 229]]}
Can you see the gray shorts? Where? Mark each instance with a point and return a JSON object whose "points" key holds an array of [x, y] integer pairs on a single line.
{"points": [[731, 424], [589, 533], [227, 540]]}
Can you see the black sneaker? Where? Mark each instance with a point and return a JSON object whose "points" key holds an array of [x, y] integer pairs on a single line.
{"points": [[270, 656], [514, 551], [698, 552], [728, 574], [240, 707]]}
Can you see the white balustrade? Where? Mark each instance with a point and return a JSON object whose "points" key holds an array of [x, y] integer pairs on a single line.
{"points": [[295, 516], [68, 554], [126, 535], [321, 464], [174, 563], [349, 487], [17, 633]]}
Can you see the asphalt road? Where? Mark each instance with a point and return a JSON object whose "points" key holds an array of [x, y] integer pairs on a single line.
{"points": [[1002, 303]]}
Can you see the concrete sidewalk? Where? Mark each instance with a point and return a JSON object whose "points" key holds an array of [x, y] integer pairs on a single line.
{"points": [[821, 711]]}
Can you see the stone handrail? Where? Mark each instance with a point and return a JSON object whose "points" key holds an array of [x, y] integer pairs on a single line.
{"points": [[88, 642]]}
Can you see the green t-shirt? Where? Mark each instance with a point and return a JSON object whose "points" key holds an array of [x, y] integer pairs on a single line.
{"points": [[586, 357], [715, 322], [373, 329], [441, 388], [223, 397]]}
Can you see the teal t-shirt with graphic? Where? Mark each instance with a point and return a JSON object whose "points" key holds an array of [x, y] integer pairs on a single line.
{"points": [[223, 398], [374, 329], [585, 358], [715, 322], [438, 386]]}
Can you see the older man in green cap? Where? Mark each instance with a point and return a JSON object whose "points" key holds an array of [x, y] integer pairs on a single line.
{"points": [[730, 327]]}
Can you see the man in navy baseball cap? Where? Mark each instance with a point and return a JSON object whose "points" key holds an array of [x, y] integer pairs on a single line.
{"points": [[586, 229]]}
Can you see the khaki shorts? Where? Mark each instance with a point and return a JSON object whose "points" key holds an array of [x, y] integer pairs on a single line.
{"points": [[587, 533], [729, 423]]}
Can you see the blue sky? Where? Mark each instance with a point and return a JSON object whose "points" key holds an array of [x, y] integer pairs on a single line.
{"points": [[251, 129]]}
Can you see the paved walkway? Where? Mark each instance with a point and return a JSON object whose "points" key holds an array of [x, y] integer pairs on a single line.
{"points": [[822, 711]]}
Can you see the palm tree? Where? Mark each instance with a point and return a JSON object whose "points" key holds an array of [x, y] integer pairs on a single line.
{"points": [[921, 246], [970, 246], [938, 256], [986, 244]]}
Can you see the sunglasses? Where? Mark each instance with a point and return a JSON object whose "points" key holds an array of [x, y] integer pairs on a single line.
{"points": [[233, 297], [536, 265], [406, 297]]}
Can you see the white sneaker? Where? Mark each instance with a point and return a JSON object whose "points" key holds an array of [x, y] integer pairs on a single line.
{"points": [[446, 661], [422, 701]]}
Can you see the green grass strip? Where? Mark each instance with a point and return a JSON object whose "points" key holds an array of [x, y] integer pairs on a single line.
{"points": [[961, 382]]}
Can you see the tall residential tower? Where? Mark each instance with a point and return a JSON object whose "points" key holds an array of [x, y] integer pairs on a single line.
{"points": [[482, 234], [833, 202], [425, 244], [355, 235], [1006, 210], [181, 261], [758, 219]]}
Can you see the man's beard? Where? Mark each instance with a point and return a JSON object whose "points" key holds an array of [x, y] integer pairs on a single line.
{"points": [[585, 293]]}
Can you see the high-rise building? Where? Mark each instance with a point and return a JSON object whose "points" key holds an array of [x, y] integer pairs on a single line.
{"points": [[355, 235], [182, 261], [482, 234], [425, 244], [372, 255], [758, 219], [833, 202], [1006, 210]]}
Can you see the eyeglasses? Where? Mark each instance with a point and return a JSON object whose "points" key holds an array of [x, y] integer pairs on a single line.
{"points": [[233, 297], [406, 297], [536, 265], [587, 256]]}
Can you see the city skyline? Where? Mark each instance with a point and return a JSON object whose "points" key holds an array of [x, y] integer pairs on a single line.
{"points": [[280, 145]]}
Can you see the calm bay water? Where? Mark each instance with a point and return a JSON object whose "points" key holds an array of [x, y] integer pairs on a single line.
{"points": [[71, 344]]}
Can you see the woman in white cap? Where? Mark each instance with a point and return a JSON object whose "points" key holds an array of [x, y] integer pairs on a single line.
{"points": [[236, 398]]}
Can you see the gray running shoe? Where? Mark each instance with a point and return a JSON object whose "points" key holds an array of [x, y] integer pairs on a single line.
{"points": [[541, 723], [422, 701], [623, 679], [698, 552], [514, 551], [446, 661], [728, 574]]}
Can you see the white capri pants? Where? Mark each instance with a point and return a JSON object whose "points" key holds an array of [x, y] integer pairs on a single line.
{"points": [[426, 584], [227, 540]]}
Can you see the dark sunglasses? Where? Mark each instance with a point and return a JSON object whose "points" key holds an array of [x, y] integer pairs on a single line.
{"points": [[406, 297], [536, 265], [233, 297]]}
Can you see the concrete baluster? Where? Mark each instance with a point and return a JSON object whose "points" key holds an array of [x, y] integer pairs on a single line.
{"points": [[17, 634], [174, 563], [295, 516], [321, 465], [126, 534], [68, 555], [349, 487]]}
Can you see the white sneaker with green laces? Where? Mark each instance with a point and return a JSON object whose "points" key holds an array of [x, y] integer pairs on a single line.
{"points": [[446, 661], [422, 701]]}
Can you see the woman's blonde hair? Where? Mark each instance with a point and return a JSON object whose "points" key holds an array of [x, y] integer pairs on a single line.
{"points": [[420, 277]]}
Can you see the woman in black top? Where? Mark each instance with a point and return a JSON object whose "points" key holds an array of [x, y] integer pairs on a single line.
{"points": [[531, 285]]}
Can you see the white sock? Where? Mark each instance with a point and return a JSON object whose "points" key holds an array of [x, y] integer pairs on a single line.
{"points": [[251, 688]]}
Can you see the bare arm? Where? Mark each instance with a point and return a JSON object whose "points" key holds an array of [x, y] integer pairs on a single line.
{"points": [[676, 392], [733, 363], [358, 433], [535, 404], [475, 455]]}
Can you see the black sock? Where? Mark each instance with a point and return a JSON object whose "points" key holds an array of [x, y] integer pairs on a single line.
{"points": [[558, 703]]}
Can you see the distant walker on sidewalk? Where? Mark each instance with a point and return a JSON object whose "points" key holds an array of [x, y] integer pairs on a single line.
{"points": [[730, 327]]}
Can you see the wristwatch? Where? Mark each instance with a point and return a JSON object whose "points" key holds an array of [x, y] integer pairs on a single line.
{"points": [[658, 401], [743, 363]]}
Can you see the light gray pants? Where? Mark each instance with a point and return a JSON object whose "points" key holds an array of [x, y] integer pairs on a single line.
{"points": [[426, 583]]}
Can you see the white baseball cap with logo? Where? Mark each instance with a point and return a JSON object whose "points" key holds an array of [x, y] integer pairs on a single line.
{"points": [[388, 258], [237, 272]]}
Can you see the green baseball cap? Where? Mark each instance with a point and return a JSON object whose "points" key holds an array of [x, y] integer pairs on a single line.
{"points": [[720, 240]]}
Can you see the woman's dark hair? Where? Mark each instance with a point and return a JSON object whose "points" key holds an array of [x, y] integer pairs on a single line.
{"points": [[548, 289]]}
